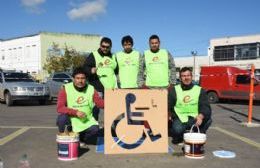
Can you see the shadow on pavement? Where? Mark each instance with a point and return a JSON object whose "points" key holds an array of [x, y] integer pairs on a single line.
{"points": [[237, 112]]}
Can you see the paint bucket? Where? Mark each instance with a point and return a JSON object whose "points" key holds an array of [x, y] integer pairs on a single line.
{"points": [[194, 144], [68, 146]]}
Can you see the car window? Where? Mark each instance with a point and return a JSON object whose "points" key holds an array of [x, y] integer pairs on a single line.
{"points": [[61, 77], [243, 79], [17, 77]]}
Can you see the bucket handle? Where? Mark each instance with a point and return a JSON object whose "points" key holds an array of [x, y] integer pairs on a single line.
{"points": [[66, 131], [195, 126]]}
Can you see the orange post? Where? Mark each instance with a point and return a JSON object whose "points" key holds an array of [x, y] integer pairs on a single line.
{"points": [[251, 94]]}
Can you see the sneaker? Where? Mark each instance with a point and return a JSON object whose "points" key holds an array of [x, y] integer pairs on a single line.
{"points": [[180, 144], [83, 144]]}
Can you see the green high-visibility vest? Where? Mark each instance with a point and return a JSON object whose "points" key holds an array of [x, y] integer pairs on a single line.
{"points": [[187, 103], [81, 101], [157, 68], [128, 64], [105, 70]]}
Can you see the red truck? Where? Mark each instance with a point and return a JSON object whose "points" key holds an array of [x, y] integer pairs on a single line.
{"points": [[226, 82]]}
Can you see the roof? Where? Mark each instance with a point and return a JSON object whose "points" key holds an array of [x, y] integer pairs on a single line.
{"points": [[45, 32]]}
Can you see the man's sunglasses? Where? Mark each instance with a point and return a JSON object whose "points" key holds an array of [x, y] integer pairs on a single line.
{"points": [[104, 46]]}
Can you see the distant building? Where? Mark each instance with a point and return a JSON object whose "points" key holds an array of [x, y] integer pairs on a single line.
{"points": [[28, 53], [239, 51], [191, 61]]}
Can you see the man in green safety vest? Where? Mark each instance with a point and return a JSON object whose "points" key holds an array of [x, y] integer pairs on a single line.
{"points": [[157, 67], [75, 104], [128, 64], [102, 68], [187, 105]]}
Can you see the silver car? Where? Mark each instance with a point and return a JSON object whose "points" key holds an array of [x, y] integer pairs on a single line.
{"points": [[55, 82], [20, 86]]}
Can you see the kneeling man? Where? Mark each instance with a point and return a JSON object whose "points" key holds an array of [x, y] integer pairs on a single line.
{"points": [[75, 105], [187, 105]]}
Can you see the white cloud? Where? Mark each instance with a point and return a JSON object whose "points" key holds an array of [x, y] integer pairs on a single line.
{"points": [[33, 5], [88, 10]]}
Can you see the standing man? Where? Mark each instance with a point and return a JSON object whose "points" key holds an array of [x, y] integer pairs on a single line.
{"points": [[158, 66], [128, 64], [102, 67], [75, 104], [188, 105]]}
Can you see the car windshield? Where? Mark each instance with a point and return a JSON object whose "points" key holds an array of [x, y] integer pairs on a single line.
{"points": [[17, 77]]}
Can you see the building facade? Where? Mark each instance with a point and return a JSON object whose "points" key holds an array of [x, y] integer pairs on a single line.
{"points": [[28, 53], [239, 51], [191, 62]]}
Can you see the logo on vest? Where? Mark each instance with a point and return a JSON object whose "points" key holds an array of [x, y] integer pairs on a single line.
{"points": [[81, 100], [187, 99], [155, 59], [107, 62], [128, 61]]}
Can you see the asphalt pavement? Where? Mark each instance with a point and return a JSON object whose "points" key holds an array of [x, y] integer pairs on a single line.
{"points": [[28, 128]]}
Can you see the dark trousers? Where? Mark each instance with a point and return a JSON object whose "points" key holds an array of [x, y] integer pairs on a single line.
{"points": [[179, 128], [89, 135], [98, 114]]}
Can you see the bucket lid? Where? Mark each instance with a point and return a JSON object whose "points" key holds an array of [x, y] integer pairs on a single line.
{"points": [[194, 136], [70, 135], [224, 154]]}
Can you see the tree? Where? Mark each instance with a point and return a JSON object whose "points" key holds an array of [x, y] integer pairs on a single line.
{"points": [[64, 59]]}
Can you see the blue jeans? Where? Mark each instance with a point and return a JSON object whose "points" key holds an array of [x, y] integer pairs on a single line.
{"points": [[89, 135], [179, 128]]}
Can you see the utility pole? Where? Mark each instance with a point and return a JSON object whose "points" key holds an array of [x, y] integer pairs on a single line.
{"points": [[194, 54]]}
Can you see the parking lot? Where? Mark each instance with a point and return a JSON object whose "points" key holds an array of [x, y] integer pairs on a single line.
{"points": [[28, 128]]}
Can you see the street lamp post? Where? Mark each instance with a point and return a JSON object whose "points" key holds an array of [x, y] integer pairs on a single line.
{"points": [[194, 54]]}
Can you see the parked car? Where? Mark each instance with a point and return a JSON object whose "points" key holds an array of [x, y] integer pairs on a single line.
{"points": [[21, 86], [55, 82], [226, 82]]}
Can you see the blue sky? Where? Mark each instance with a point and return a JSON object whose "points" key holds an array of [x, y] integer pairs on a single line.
{"points": [[183, 25]]}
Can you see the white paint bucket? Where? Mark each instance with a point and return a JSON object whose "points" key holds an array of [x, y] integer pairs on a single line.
{"points": [[68, 146], [194, 144]]}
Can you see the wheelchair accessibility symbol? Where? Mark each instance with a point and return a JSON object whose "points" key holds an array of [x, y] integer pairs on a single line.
{"points": [[130, 98]]}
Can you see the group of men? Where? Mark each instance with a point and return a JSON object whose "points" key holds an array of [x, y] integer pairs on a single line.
{"points": [[81, 103]]}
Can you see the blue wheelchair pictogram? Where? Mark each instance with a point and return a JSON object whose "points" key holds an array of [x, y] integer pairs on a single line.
{"points": [[130, 99]]}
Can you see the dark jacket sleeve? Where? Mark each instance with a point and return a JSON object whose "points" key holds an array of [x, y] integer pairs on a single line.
{"points": [[172, 101], [93, 79], [89, 63], [204, 106]]}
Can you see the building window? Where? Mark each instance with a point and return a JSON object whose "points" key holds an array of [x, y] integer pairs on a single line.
{"points": [[223, 53], [236, 52], [246, 51], [3, 57]]}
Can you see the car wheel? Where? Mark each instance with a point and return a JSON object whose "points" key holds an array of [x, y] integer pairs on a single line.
{"points": [[8, 99], [43, 102], [213, 97]]}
